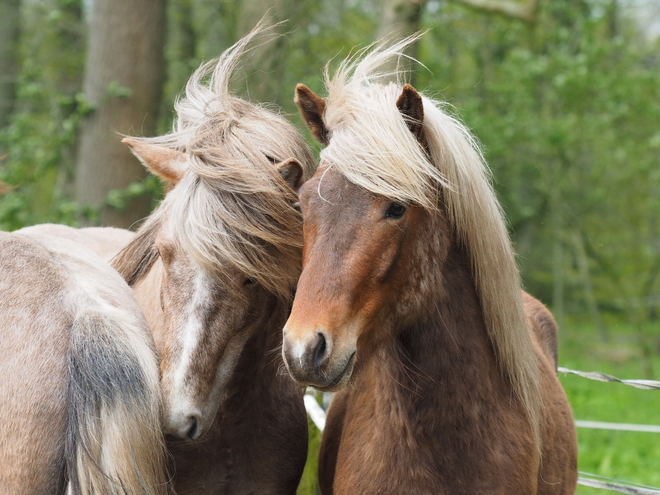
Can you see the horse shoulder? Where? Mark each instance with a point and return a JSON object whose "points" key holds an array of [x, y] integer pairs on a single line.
{"points": [[558, 470]]}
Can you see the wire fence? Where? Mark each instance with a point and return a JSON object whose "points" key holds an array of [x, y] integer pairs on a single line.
{"points": [[317, 415], [602, 377]]}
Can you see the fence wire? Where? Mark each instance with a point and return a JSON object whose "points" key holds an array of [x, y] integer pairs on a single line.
{"points": [[602, 377], [619, 486]]}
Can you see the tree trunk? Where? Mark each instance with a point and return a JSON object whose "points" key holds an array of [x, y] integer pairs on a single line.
{"points": [[398, 19], [9, 33], [123, 82], [525, 11], [589, 297], [264, 74], [557, 258]]}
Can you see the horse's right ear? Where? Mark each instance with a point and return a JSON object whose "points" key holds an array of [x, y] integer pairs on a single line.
{"points": [[411, 107], [292, 172], [312, 107], [168, 164]]}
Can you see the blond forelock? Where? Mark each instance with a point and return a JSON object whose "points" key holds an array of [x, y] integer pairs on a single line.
{"points": [[232, 209]]}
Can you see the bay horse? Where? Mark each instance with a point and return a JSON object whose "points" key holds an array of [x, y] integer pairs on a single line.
{"points": [[214, 268], [80, 400], [409, 305]]}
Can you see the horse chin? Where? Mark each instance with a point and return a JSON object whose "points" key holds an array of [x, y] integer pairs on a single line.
{"points": [[341, 379]]}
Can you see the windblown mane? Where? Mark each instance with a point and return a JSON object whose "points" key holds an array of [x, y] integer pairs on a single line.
{"points": [[232, 208], [372, 147]]}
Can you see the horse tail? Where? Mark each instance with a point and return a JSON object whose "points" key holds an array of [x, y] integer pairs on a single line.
{"points": [[114, 442]]}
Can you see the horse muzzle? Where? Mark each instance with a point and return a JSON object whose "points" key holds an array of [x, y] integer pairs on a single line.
{"points": [[183, 426], [312, 362]]}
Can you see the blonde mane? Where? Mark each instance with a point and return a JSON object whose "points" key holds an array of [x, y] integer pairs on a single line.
{"points": [[232, 208], [372, 147]]}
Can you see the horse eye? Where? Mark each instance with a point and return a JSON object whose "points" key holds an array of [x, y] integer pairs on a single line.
{"points": [[395, 210], [249, 281]]}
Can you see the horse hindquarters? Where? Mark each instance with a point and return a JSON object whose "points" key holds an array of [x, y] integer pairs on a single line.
{"points": [[114, 441], [558, 473]]}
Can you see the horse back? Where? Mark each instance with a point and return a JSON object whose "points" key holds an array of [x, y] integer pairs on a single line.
{"points": [[542, 326], [558, 473], [80, 398], [34, 340], [105, 242]]}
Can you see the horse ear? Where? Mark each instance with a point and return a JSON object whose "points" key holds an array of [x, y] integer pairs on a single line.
{"points": [[312, 107], [411, 107], [292, 172], [166, 163]]}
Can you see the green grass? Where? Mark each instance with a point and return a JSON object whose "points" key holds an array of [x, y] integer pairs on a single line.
{"points": [[307, 484], [628, 456]]}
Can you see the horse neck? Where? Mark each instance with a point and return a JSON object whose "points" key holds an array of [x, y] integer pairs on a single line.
{"points": [[261, 358], [442, 363]]}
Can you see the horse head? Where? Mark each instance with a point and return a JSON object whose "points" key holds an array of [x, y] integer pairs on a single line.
{"points": [[223, 248], [364, 258], [402, 188]]}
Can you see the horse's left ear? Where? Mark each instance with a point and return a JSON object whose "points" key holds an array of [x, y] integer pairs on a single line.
{"points": [[411, 107], [168, 164], [292, 172]]}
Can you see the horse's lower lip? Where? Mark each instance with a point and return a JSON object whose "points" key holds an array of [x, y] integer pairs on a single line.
{"points": [[339, 380], [174, 439]]}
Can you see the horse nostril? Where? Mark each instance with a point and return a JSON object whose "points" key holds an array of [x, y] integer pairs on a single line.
{"points": [[320, 349], [193, 429]]}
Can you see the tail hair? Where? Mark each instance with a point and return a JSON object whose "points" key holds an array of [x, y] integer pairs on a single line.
{"points": [[114, 442]]}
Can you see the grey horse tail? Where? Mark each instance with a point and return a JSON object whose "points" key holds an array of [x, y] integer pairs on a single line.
{"points": [[114, 442]]}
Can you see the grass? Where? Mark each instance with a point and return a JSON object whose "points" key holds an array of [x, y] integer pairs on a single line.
{"points": [[628, 456]]}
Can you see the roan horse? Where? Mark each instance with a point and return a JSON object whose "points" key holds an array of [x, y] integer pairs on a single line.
{"points": [[214, 269], [409, 305], [79, 395]]}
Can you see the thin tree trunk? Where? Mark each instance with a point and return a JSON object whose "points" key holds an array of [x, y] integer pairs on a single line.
{"points": [[589, 297], [266, 62], [181, 50], [9, 34], [557, 258], [123, 81], [525, 11], [398, 19]]}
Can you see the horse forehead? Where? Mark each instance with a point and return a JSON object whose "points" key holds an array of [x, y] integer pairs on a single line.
{"points": [[330, 195]]}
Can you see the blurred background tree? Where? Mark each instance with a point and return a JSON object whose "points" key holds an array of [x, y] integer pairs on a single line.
{"points": [[122, 87], [563, 94]]}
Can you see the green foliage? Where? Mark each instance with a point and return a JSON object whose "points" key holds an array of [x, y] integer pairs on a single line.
{"points": [[40, 139], [567, 110], [116, 90]]}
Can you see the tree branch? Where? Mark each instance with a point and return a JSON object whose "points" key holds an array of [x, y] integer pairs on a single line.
{"points": [[525, 11]]}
